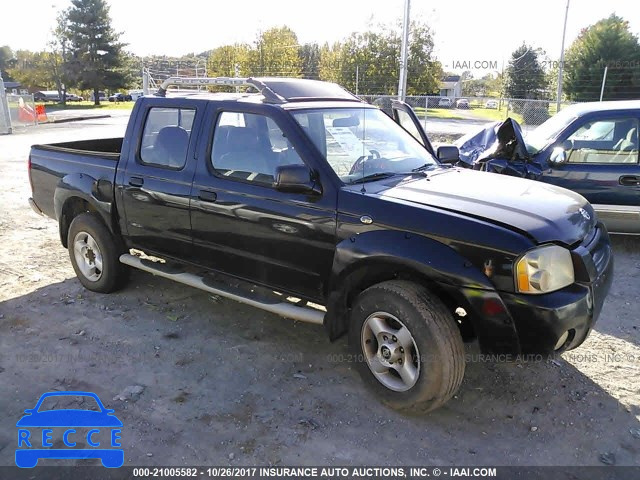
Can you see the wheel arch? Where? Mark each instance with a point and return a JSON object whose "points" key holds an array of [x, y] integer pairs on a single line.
{"points": [[375, 257], [79, 193]]}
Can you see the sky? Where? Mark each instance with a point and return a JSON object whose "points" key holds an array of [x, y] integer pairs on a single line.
{"points": [[469, 35]]}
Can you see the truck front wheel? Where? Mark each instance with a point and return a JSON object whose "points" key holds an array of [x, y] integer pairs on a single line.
{"points": [[95, 254], [407, 346]]}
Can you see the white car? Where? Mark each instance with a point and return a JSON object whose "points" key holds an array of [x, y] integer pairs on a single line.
{"points": [[136, 94], [445, 102], [491, 104]]}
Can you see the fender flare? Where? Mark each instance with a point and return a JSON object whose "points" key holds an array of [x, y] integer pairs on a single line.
{"points": [[97, 193], [424, 257]]}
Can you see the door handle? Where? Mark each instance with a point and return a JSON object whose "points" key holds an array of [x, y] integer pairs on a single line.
{"points": [[136, 181], [207, 195], [629, 180]]}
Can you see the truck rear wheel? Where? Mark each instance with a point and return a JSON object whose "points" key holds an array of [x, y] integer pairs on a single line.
{"points": [[95, 254], [408, 348]]}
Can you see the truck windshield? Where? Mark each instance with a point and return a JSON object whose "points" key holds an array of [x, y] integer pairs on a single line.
{"points": [[363, 143], [543, 135]]}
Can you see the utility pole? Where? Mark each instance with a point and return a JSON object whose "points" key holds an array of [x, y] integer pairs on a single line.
{"points": [[402, 82], [145, 81], [561, 66], [357, 78], [604, 80]]}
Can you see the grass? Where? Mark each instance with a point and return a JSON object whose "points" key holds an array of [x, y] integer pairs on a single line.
{"points": [[495, 115], [478, 112], [438, 113], [52, 107]]}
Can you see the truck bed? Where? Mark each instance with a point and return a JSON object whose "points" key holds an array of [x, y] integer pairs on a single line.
{"points": [[102, 147], [53, 165]]}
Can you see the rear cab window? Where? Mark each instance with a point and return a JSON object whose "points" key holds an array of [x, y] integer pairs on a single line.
{"points": [[166, 136]]}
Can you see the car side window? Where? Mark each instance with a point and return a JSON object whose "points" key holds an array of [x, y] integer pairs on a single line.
{"points": [[610, 141], [165, 138], [250, 147]]}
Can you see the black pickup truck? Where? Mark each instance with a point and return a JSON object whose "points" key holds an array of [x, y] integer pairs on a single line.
{"points": [[304, 201]]}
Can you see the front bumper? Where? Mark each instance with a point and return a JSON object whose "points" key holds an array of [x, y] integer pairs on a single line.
{"points": [[541, 321], [513, 324]]}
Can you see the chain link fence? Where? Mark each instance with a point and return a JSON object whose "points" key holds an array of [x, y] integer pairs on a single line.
{"points": [[22, 110], [528, 113], [5, 118]]}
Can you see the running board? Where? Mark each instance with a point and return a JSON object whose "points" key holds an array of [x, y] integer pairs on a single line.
{"points": [[284, 309]]}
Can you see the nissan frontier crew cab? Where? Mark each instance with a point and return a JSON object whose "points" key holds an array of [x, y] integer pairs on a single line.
{"points": [[322, 208]]}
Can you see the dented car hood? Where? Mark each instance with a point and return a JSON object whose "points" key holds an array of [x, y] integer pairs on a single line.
{"points": [[543, 212]]}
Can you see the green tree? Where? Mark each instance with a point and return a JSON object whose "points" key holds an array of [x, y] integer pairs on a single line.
{"points": [[330, 61], [59, 56], [132, 70], [525, 77], [310, 60], [7, 61], [96, 57], [375, 56], [32, 69], [373, 59], [490, 85], [222, 61], [423, 71], [607, 43], [277, 53]]}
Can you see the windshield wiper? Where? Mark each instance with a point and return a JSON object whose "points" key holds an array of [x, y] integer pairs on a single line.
{"points": [[422, 168], [374, 176]]}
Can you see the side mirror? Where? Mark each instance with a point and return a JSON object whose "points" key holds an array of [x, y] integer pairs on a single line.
{"points": [[448, 154], [558, 157], [295, 179]]}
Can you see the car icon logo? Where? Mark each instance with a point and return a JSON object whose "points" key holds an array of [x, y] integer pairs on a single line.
{"points": [[77, 433]]}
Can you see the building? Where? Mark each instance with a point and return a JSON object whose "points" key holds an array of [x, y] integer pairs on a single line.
{"points": [[14, 88], [451, 86]]}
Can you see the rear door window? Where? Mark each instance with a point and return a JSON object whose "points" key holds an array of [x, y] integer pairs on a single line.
{"points": [[166, 136]]}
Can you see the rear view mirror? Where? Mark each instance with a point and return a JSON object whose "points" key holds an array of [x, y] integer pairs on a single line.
{"points": [[448, 154], [295, 179], [558, 156], [352, 121]]}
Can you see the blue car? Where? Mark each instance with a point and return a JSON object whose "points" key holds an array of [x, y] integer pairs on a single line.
{"points": [[28, 453], [590, 148]]}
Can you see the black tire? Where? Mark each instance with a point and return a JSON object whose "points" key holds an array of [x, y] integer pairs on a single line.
{"points": [[440, 361], [113, 275]]}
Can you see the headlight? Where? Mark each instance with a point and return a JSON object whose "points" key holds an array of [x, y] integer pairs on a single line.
{"points": [[544, 270]]}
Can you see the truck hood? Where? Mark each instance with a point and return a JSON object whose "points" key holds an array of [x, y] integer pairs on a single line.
{"points": [[543, 212]]}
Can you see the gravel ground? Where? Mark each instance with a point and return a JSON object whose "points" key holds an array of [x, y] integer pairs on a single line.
{"points": [[201, 380]]}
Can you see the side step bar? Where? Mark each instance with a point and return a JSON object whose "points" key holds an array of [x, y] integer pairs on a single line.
{"points": [[284, 309]]}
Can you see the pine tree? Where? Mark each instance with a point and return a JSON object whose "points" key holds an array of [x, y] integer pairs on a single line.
{"points": [[310, 60], [96, 57], [525, 76]]}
